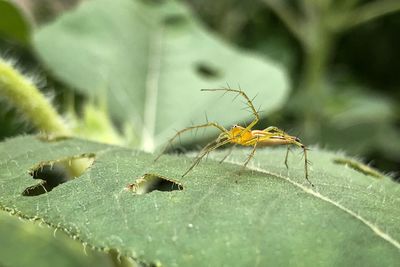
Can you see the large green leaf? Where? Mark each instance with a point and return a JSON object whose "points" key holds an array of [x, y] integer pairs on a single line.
{"points": [[150, 59], [14, 24], [31, 244], [266, 216]]}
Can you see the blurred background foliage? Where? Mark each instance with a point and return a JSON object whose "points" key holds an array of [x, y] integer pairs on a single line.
{"points": [[333, 79], [341, 58]]}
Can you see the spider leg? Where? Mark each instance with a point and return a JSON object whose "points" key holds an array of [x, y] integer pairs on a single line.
{"points": [[253, 151], [204, 152], [207, 149], [306, 162], [178, 134], [273, 129], [286, 157], [227, 155], [248, 101]]}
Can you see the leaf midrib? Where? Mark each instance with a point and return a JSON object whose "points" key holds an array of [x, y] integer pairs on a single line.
{"points": [[151, 90], [374, 228]]}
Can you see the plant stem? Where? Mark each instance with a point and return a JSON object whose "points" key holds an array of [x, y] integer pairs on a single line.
{"points": [[312, 81], [29, 101], [292, 21]]}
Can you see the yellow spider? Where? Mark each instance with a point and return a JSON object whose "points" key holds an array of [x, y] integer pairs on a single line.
{"points": [[244, 136]]}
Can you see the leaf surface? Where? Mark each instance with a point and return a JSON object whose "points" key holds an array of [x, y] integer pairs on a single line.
{"points": [[265, 216]]}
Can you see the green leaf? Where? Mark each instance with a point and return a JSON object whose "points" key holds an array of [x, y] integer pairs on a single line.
{"points": [[150, 61], [13, 23], [358, 120], [266, 216], [29, 244], [358, 106]]}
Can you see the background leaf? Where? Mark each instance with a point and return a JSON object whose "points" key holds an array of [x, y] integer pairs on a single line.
{"points": [[26, 243], [360, 119], [267, 215], [14, 24], [149, 61]]}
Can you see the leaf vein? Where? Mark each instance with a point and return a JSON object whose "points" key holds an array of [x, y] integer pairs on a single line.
{"points": [[372, 226]]}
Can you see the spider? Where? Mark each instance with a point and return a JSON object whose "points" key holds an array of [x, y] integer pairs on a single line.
{"points": [[244, 136]]}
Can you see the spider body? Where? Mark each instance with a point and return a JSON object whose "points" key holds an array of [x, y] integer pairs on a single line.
{"points": [[267, 137], [244, 136]]}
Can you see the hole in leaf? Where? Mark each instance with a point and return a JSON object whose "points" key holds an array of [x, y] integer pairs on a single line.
{"points": [[56, 172], [174, 20], [358, 166], [207, 71], [150, 182]]}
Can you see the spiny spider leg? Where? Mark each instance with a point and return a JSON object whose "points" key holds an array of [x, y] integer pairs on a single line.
{"points": [[306, 165], [227, 155], [248, 101], [286, 157], [273, 129], [209, 124], [253, 151], [207, 149]]}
